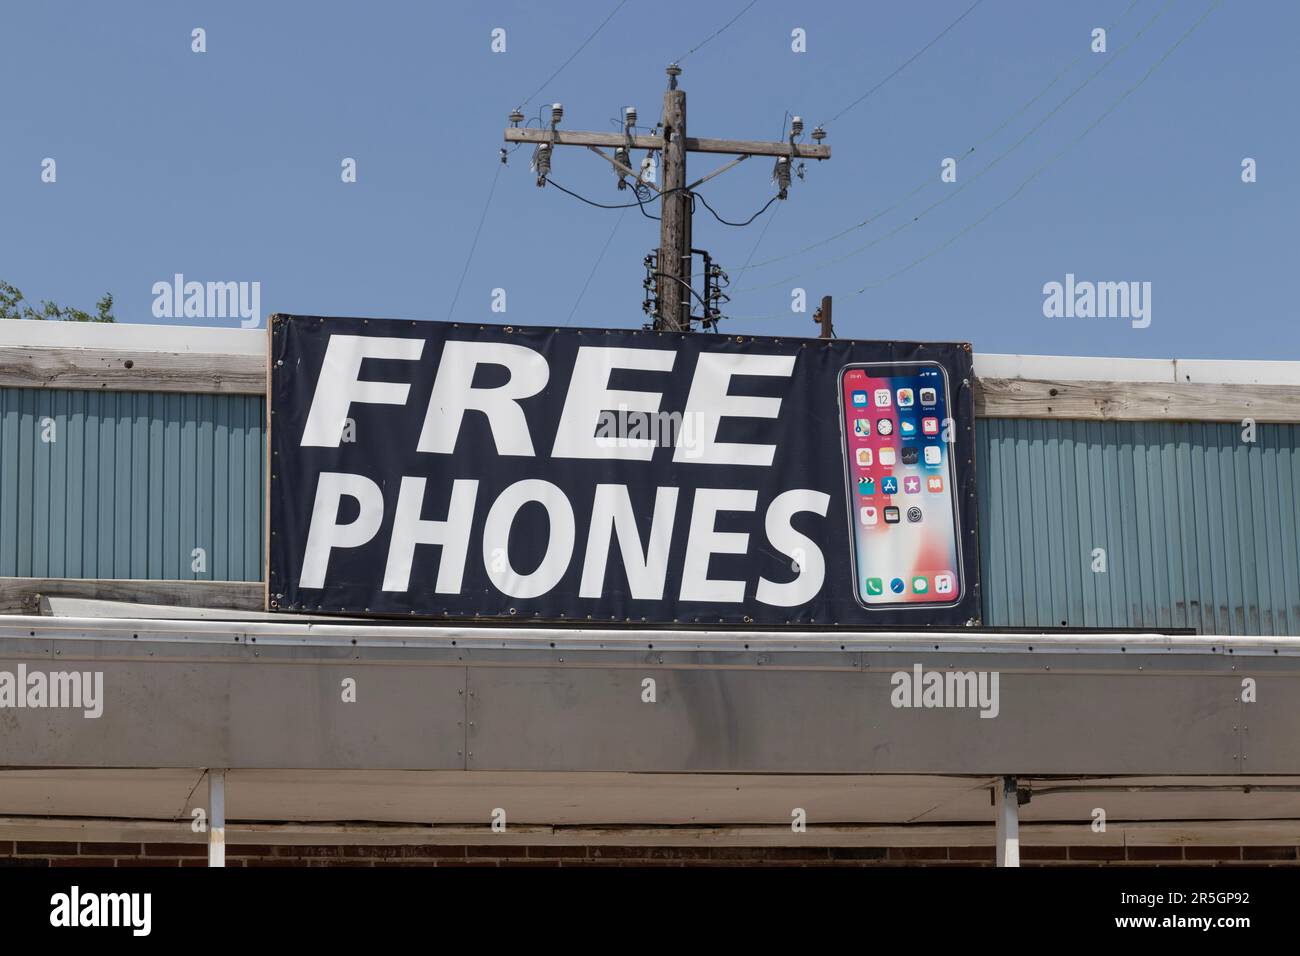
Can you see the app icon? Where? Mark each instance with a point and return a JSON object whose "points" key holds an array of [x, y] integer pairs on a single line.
{"points": [[861, 427], [943, 583], [875, 586], [934, 483], [932, 455], [868, 515], [906, 427], [928, 396], [904, 397], [859, 399], [887, 456], [909, 455], [888, 485], [866, 486], [891, 515], [930, 426], [897, 586], [912, 484], [920, 585], [864, 457], [882, 398], [914, 515], [885, 426]]}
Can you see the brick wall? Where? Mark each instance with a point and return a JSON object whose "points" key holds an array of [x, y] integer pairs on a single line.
{"points": [[31, 853]]}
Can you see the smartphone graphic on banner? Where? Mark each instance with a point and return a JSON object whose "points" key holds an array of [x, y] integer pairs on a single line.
{"points": [[901, 484]]}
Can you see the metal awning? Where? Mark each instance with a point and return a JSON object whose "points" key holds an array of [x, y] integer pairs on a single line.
{"points": [[270, 695]]}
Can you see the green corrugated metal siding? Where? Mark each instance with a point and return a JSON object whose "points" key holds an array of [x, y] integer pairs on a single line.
{"points": [[132, 483], [1199, 527]]}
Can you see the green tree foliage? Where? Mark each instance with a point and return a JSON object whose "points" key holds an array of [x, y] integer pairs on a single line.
{"points": [[13, 306]]}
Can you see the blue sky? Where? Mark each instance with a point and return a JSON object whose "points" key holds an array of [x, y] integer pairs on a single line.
{"points": [[225, 166]]}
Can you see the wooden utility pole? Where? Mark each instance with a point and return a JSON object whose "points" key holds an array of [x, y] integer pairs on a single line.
{"points": [[823, 318], [673, 279]]}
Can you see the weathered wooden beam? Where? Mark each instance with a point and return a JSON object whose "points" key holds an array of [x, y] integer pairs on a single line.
{"points": [[23, 595], [126, 370], [1135, 401], [748, 147], [751, 147], [90, 368]]}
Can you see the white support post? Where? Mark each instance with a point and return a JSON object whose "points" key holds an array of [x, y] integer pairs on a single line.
{"points": [[1008, 811], [216, 817]]}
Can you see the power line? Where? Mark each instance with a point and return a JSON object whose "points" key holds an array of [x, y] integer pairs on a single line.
{"points": [[1035, 174], [763, 232], [718, 31], [725, 222], [640, 202], [590, 202], [596, 265], [930, 180], [759, 242], [636, 190], [684, 284], [906, 63], [956, 192], [474, 245], [574, 55]]}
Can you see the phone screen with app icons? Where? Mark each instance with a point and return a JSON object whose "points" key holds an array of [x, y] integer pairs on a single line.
{"points": [[900, 483]]}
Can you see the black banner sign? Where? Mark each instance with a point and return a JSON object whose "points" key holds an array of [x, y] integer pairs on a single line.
{"points": [[478, 471]]}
